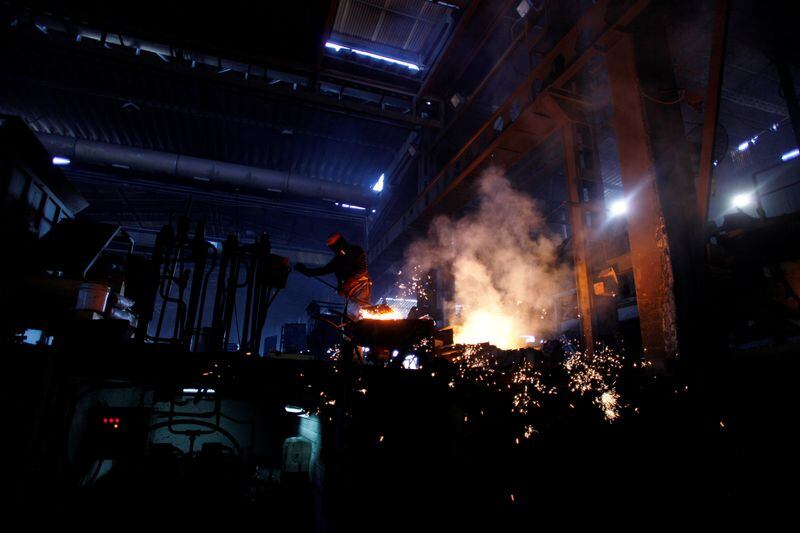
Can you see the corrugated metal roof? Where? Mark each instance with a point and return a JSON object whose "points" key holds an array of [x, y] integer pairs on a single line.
{"points": [[408, 28], [86, 99]]}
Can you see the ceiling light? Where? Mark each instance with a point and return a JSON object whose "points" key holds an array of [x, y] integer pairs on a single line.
{"points": [[618, 208], [61, 161], [791, 154], [378, 187], [742, 200], [339, 47]]}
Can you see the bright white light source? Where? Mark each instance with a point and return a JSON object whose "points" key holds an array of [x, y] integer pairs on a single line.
{"points": [[411, 362], [335, 46], [791, 154], [293, 409], [529, 339], [193, 390], [61, 161], [351, 206], [742, 200], [618, 208], [339, 47], [744, 146], [378, 187]]}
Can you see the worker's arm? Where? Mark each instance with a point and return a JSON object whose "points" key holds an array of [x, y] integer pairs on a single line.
{"points": [[319, 271]]}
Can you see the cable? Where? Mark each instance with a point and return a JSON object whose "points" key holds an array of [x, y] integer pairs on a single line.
{"points": [[681, 95]]}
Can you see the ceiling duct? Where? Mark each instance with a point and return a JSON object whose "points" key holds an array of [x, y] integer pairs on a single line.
{"points": [[206, 170]]}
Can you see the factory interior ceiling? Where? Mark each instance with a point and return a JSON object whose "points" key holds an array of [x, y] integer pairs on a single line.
{"points": [[552, 222]]}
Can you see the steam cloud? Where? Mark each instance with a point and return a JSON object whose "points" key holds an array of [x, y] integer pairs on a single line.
{"points": [[503, 261]]}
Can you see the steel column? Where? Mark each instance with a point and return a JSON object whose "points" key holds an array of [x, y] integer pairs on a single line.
{"points": [[711, 107], [650, 250], [578, 213]]}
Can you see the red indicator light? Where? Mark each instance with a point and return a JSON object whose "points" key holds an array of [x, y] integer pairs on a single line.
{"points": [[105, 421]]}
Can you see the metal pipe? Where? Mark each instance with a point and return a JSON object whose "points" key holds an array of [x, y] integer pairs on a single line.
{"points": [[219, 172]]}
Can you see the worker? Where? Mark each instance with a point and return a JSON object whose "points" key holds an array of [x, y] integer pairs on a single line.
{"points": [[349, 264]]}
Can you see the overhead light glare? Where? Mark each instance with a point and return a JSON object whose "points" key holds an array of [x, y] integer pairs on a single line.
{"points": [[61, 161], [195, 390], [618, 208], [791, 154], [338, 47], [742, 200], [378, 187]]}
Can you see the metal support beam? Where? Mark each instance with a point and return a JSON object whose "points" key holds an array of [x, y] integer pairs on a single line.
{"points": [[711, 107], [650, 251], [663, 215], [520, 123], [578, 214], [789, 94]]}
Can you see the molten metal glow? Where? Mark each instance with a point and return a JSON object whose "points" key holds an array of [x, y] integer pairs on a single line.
{"points": [[492, 326], [382, 312], [504, 265]]}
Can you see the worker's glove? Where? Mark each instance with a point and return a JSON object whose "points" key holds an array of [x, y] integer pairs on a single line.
{"points": [[302, 268]]}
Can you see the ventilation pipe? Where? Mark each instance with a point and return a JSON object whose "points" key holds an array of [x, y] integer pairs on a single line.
{"points": [[207, 170]]}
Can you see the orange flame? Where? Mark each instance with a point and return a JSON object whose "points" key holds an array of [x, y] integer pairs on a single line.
{"points": [[380, 312]]}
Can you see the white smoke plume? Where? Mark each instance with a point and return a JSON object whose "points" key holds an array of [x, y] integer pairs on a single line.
{"points": [[502, 258]]}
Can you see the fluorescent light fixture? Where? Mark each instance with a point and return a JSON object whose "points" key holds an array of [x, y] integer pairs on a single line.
{"points": [[194, 390], [358, 207], [791, 154], [618, 208], [378, 187], [742, 200], [119, 165], [293, 409], [335, 46], [338, 47], [61, 161], [744, 146]]}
